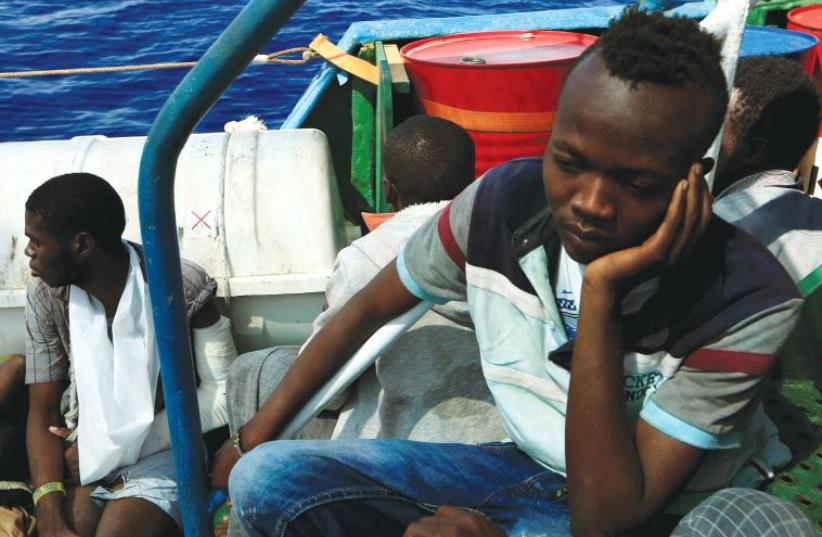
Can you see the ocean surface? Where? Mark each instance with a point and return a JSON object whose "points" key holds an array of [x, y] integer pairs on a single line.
{"points": [[52, 34]]}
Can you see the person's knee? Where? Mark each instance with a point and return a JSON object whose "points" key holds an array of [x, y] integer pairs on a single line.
{"points": [[82, 514], [17, 364], [276, 475], [251, 479], [135, 516], [251, 378], [12, 375], [741, 511], [241, 481]]}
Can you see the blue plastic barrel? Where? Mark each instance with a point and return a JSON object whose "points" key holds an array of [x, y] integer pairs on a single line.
{"points": [[764, 41]]}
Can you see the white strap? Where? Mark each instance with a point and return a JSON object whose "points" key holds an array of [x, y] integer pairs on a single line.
{"points": [[116, 380], [726, 22]]}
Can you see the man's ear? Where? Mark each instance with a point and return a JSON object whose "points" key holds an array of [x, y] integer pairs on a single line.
{"points": [[390, 192], [82, 246], [755, 151]]}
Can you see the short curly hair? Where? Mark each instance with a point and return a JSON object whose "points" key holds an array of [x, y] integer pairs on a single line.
{"points": [[428, 159], [777, 102], [80, 202], [670, 51]]}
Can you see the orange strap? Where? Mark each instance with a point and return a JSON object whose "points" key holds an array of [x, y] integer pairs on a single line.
{"points": [[492, 121], [351, 64]]}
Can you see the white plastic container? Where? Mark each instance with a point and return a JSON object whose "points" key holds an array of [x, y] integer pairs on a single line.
{"points": [[258, 210]]}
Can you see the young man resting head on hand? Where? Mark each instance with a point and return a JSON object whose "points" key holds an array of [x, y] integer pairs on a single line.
{"points": [[623, 330]]}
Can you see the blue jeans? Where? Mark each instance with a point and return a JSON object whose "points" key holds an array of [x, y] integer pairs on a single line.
{"points": [[377, 487]]}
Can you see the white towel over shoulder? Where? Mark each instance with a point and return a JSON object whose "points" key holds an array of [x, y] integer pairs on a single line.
{"points": [[116, 379]]}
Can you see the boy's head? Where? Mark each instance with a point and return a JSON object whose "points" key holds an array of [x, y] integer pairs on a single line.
{"points": [[772, 119], [641, 106], [69, 219], [427, 159]]}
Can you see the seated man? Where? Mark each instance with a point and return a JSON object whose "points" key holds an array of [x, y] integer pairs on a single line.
{"points": [[12, 419], [428, 385], [92, 367], [773, 119], [651, 401], [15, 497]]}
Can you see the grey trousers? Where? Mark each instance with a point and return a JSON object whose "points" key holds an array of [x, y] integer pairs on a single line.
{"points": [[252, 377]]}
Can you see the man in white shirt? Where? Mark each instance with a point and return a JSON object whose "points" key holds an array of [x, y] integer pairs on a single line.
{"points": [[92, 367]]}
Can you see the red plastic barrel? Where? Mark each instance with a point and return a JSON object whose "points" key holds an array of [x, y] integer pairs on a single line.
{"points": [[808, 19], [502, 87]]}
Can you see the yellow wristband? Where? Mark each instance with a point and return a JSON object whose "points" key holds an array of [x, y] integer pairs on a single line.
{"points": [[48, 488]]}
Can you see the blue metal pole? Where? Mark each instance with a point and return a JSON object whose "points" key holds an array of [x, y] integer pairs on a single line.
{"points": [[189, 102], [654, 5]]}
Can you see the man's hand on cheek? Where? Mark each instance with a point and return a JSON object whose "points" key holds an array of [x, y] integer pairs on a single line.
{"points": [[688, 214], [454, 522]]}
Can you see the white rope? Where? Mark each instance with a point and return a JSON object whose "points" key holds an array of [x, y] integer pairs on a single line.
{"points": [[260, 59]]}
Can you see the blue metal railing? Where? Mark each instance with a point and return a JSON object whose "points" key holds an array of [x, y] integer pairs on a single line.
{"points": [[199, 90]]}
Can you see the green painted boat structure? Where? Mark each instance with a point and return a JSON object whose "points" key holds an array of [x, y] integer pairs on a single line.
{"points": [[773, 12]]}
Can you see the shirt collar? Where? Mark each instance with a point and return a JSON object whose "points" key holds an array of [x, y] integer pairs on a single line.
{"points": [[767, 178]]}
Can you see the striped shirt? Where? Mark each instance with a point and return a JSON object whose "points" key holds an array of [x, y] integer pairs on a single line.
{"points": [[771, 206], [699, 339]]}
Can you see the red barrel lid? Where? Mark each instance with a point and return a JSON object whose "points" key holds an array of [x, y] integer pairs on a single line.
{"points": [[807, 16], [499, 49]]}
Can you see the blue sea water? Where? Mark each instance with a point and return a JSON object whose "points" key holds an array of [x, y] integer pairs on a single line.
{"points": [[50, 34]]}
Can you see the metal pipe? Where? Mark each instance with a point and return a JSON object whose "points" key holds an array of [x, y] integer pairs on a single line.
{"points": [[726, 22], [199, 90], [359, 362]]}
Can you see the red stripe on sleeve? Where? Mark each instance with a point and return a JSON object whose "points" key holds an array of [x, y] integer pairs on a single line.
{"points": [[730, 361], [449, 242]]}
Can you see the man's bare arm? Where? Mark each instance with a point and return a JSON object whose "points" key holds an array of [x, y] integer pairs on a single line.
{"points": [[12, 374], [617, 479], [45, 451], [377, 303]]}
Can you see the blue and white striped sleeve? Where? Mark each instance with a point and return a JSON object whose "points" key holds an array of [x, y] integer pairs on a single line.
{"points": [[432, 264]]}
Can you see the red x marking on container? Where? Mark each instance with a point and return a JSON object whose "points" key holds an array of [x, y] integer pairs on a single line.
{"points": [[201, 219]]}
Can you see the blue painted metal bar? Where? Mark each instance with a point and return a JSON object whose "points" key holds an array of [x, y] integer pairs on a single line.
{"points": [[403, 29], [189, 102], [657, 5]]}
